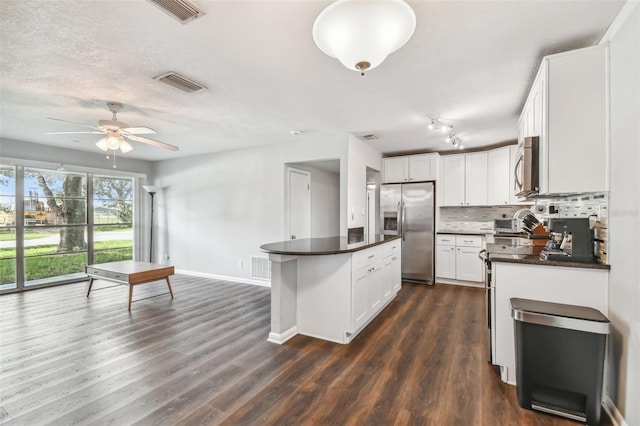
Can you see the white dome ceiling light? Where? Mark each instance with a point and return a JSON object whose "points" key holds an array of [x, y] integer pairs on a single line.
{"points": [[362, 33]]}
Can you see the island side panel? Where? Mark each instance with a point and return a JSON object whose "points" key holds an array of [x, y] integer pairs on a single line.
{"points": [[283, 298], [557, 284], [324, 296]]}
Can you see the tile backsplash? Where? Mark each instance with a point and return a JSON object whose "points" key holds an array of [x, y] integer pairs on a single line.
{"points": [[474, 219]]}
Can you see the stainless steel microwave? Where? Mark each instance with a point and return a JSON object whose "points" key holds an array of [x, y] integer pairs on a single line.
{"points": [[526, 169]]}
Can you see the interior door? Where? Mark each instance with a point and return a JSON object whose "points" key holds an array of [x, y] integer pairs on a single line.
{"points": [[299, 204]]}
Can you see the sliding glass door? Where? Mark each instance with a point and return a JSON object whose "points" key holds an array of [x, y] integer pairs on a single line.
{"points": [[55, 222]]}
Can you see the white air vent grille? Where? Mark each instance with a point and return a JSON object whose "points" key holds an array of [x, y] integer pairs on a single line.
{"points": [[180, 82], [181, 10], [261, 268]]}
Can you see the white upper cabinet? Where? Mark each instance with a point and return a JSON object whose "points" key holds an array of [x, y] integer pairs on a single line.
{"points": [[452, 182], [568, 109], [498, 176], [464, 179], [395, 169], [411, 168], [475, 187]]}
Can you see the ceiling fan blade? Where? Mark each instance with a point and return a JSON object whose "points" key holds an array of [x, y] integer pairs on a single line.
{"points": [[77, 124], [140, 130], [152, 142], [73, 133]]}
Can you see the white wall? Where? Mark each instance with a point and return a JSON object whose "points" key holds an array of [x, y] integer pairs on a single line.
{"points": [[216, 210], [623, 368], [360, 156]]}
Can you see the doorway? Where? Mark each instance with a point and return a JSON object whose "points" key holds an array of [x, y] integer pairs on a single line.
{"points": [[299, 203]]}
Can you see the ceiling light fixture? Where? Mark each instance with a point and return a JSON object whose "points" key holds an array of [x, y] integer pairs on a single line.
{"points": [[361, 34], [439, 125], [454, 140]]}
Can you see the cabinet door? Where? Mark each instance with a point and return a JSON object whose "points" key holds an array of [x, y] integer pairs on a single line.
{"points": [[396, 169], [396, 273], [476, 179], [469, 267], [374, 289], [386, 279], [359, 284], [446, 262], [423, 167], [498, 172], [453, 180]]}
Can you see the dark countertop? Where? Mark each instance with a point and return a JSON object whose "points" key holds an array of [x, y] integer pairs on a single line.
{"points": [[322, 246], [464, 232], [520, 250]]}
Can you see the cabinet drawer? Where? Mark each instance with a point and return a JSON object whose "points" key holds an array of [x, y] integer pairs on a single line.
{"points": [[468, 240], [363, 258], [446, 240], [94, 271], [118, 276], [391, 248]]}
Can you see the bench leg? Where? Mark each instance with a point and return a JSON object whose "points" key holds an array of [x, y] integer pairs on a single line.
{"points": [[90, 284], [130, 295], [169, 285]]}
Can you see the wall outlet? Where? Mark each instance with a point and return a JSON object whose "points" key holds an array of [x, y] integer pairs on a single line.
{"points": [[240, 265]]}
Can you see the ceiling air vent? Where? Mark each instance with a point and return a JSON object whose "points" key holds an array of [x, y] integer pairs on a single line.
{"points": [[180, 82], [370, 137], [181, 10]]}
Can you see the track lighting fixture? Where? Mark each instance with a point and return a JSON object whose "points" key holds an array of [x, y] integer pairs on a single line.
{"points": [[439, 125]]}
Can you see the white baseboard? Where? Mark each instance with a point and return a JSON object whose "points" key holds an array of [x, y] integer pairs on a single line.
{"points": [[459, 282], [251, 281], [280, 338], [614, 414]]}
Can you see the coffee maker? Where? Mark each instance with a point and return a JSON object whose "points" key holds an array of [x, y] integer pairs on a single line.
{"points": [[577, 245]]}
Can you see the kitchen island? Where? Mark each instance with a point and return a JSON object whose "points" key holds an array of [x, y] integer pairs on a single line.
{"points": [[330, 289], [518, 272]]}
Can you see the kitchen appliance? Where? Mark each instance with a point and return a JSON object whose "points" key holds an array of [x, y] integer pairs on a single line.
{"points": [[408, 210], [526, 170], [505, 226], [577, 245]]}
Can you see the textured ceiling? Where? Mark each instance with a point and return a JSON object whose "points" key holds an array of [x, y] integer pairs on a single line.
{"points": [[470, 62]]}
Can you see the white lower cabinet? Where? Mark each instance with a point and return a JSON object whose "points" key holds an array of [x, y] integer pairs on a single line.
{"points": [[457, 258], [375, 281], [446, 261], [359, 308]]}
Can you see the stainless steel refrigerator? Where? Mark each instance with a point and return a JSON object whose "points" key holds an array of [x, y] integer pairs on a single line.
{"points": [[408, 209]]}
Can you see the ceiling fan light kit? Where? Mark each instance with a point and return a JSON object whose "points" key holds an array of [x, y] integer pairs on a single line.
{"points": [[117, 133], [361, 34]]}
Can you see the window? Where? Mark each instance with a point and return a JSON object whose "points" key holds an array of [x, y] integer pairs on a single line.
{"points": [[7, 227], [68, 220], [112, 219]]}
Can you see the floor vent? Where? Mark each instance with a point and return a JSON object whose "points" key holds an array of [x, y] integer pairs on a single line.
{"points": [[261, 268], [181, 10], [180, 82]]}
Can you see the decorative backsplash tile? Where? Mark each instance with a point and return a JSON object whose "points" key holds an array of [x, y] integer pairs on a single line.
{"points": [[474, 219]]}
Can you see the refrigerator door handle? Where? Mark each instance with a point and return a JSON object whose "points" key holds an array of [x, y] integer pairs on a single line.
{"points": [[403, 214], [399, 226]]}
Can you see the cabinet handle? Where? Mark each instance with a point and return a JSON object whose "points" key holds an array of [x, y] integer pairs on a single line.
{"points": [[468, 241], [393, 248], [371, 256]]}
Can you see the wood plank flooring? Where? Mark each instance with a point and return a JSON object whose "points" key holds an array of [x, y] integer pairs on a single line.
{"points": [[202, 358]]}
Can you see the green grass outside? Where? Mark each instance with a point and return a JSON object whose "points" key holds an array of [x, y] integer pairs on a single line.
{"points": [[69, 263], [7, 235]]}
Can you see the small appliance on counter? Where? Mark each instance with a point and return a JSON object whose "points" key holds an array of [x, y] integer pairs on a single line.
{"points": [[577, 243], [505, 226]]}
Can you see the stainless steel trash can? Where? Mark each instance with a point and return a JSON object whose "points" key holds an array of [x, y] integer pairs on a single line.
{"points": [[560, 353]]}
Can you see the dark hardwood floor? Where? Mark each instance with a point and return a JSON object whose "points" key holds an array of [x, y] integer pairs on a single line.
{"points": [[203, 358]]}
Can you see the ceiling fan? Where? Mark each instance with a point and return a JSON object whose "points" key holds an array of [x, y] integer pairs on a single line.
{"points": [[116, 133]]}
